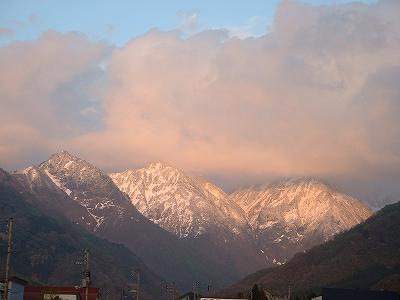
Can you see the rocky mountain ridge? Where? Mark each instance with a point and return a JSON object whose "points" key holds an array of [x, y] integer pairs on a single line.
{"points": [[282, 219], [293, 215], [72, 187], [183, 205], [365, 257], [46, 246], [181, 224], [195, 211]]}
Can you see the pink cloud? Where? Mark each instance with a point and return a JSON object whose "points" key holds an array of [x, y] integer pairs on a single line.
{"points": [[296, 101]]}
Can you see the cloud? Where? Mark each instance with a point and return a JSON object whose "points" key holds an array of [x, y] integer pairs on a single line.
{"points": [[6, 32], [33, 19], [254, 27], [188, 21], [109, 29], [318, 95], [43, 86]]}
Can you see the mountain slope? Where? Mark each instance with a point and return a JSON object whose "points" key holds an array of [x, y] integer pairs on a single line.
{"points": [[88, 197], [196, 211], [46, 248], [366, 256], [178, 203], [49, 196], [294, 215]]}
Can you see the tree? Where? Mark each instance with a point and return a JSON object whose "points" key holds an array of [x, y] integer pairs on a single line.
{"points": [[257, 294]]}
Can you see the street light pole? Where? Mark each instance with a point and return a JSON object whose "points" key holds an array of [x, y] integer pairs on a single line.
{"points": [[9, 252]]}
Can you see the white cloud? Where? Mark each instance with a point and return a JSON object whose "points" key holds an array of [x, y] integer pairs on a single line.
{"points": [[318, 95], [256, 26], [188, 21]]}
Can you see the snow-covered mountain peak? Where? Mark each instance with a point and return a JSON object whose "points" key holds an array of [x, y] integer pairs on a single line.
{"points": [[67, 161], [301, 203], [82, 183], [300, 210], [161, 171], [63, 153], [300, 182], [159, 166], [306, 183], [184, 205]]}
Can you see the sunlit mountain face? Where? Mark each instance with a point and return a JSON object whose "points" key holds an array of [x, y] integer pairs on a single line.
{"points": [[313, 94], [365, 257], [167, 217], [205, 141]]}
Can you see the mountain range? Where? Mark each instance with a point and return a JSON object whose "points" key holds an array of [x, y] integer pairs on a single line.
{"points": [[184, 228], [280, 219], [195, 211], [92, 200], [364, 257]]}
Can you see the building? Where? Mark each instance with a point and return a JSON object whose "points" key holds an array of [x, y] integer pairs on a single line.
{"points": [[60, 293], [217, 298], [187, 296], [191, 296], [351, 294], [15, 288]]}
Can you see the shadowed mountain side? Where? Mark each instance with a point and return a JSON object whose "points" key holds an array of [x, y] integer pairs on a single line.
{"points": [[46, 249], [294, 215], [87, 196], [197, 212], [366, 257]]}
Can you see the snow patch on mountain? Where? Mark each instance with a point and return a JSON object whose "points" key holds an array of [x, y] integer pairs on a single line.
{"points": [[298, 213], [184, 205], [86, 185], [58, 183]]}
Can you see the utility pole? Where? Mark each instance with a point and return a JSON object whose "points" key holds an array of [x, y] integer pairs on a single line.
{"points": [[167, 290], [170, 290], [137, 272], [195, 288], [173, 291], [9, 252], [87, 274]]}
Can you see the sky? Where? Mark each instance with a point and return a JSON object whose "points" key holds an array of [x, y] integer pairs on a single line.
{"points": [[119, 21], [238, 92]]}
